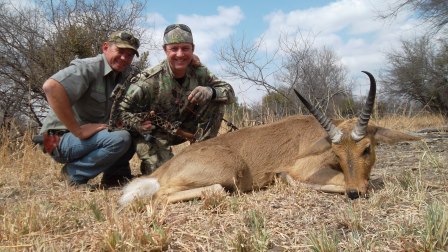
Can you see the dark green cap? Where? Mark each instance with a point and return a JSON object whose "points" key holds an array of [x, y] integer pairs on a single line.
{"points": [[125, 39]]}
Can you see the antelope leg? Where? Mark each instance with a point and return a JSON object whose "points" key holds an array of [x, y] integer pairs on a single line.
{"points": [[325, 188], [192, 193]]}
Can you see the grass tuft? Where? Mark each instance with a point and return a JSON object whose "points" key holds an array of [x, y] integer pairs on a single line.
{"points": [[322, 241], [435, 232], [216, 201]]}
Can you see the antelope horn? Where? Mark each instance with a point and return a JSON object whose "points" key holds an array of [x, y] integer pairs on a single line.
{"points": [[334, 133], [360, 129]]}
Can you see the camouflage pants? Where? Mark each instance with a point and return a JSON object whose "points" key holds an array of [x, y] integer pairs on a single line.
{"points": [[156, 148], [152, 152]]}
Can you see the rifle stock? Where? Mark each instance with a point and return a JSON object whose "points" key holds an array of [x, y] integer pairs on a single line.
{"points": [[187, 135]]}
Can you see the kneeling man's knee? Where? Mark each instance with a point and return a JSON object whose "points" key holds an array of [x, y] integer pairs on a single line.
{"points": [[121, 139]]}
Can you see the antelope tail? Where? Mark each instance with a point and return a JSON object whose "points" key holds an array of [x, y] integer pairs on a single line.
{"points": [[139, 188]]}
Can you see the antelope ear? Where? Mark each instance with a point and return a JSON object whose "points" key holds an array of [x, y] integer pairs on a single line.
{"points": [[317, 148], [390, 136]]}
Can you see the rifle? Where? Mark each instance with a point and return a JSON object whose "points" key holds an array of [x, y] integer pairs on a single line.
{"points": [[172, 128]]}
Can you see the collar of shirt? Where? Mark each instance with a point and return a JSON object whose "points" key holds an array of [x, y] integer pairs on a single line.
{"points": [[166, 65], [107, 69]]}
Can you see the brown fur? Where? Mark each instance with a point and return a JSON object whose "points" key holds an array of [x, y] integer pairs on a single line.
{"points": [[250, 158]]}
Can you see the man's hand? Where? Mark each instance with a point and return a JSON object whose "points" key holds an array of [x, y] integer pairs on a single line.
{"points": [[145, 126], [200, 95], [195, 61], [87, 130]]}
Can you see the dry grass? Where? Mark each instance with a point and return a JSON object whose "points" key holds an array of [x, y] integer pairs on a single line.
{"points": [[408, 213], [413, 123]]}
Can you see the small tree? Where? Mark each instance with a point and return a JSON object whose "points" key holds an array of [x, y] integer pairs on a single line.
{"points": [[248, 63], [39, 39], [419, 72], [296, 63], [434, 12], [315, 72], [277, 105]]}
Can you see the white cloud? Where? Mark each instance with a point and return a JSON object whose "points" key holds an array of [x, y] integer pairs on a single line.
{"points": [[207, 30], [350, 27], [210, 30]]}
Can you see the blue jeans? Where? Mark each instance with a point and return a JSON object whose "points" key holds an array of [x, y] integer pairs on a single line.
{"points": [[107, 152]]}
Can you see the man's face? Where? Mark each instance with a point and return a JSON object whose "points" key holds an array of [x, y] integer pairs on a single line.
{"points": [[118, 58], [179, 57]]}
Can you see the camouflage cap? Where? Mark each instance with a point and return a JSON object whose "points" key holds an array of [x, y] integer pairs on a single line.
{"points": [[125, 39], [177, 33]]}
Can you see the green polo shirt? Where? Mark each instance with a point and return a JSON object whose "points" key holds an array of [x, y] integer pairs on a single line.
{"points": [[89, 83]]}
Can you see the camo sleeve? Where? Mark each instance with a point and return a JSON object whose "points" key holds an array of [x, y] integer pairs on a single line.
{"points": [[224, 91], [135, 105]]}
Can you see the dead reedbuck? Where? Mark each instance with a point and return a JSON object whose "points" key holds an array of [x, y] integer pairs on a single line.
{"points": [[332, 156]]}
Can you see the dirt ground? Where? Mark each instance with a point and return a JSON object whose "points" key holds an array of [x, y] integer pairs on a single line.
{"points": [[407, 157]]}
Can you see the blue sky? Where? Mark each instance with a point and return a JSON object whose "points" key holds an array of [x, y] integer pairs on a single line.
{"points": [[351, 28]]}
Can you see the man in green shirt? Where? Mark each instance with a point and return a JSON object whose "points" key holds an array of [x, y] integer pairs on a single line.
{"points": [[186, 97], [80, 103]]}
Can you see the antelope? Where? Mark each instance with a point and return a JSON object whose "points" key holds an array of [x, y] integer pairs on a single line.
{"points": [[331, 156]]}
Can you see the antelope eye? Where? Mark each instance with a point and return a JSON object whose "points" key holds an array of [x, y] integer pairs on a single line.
{"points": [[366, 151]]}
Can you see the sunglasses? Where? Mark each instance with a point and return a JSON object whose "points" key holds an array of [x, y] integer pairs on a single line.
{"points": [[130, 38], [174, 26]]}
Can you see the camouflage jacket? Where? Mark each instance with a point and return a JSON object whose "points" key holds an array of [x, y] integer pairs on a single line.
{"points": [[157, 90]]}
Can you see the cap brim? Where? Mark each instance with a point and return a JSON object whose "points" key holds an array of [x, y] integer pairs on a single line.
{"points": [[120, 45]]}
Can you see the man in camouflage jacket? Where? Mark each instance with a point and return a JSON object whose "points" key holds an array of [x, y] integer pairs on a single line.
{"points": [[187, 96]]}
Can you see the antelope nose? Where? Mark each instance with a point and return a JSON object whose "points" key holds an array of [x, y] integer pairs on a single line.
{"points": [[352, 194]]}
